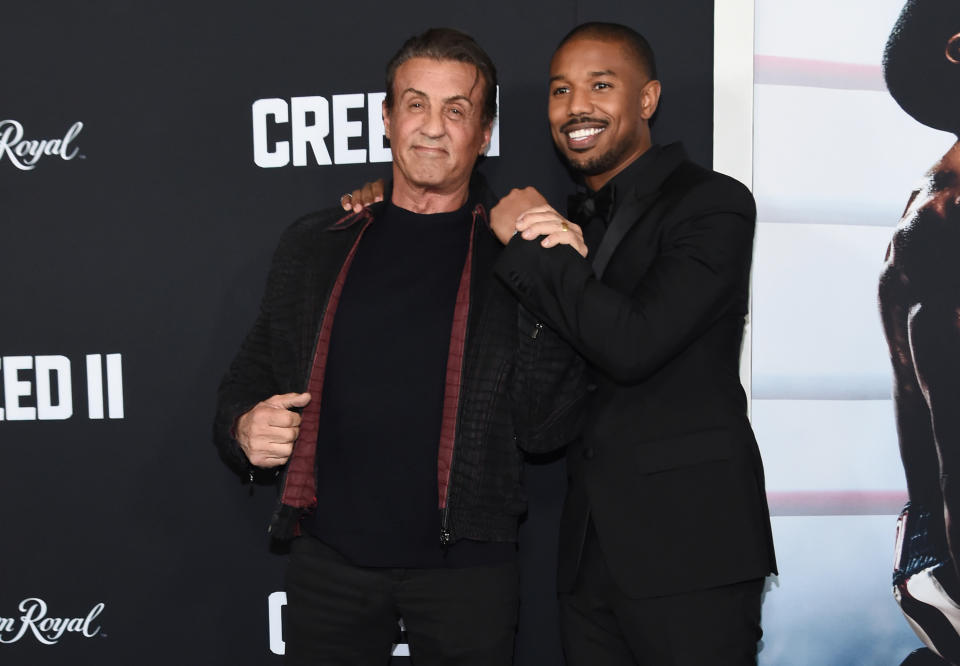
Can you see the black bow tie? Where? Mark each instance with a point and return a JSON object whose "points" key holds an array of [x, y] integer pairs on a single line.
{"points": [[586, 205]]}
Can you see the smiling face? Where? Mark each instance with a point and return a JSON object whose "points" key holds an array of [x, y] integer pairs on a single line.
{"points": [[601, 101], [436, 131]]}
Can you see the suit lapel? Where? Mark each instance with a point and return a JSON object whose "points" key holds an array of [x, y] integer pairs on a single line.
{"points": [[627, 215], [636, 203]]}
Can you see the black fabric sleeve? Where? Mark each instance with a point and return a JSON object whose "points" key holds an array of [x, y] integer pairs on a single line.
{"points": [[250, 378], [700, 268]]}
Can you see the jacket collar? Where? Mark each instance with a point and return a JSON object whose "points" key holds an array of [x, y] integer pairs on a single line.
{"points": [[480, 195]]}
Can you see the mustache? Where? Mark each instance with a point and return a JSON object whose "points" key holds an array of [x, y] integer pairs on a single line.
{"points": [[581, 120]]}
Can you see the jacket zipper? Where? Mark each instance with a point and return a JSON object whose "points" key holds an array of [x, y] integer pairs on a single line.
{"points": [[446, 537]]}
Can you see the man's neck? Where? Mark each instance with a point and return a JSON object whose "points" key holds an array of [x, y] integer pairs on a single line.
{"points": [[425, 201]]}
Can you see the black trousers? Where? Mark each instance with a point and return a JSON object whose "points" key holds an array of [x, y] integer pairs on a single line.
{"points": [[601, 626], [339, 614]]}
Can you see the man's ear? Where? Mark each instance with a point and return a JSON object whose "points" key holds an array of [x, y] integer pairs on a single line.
{"points": [[385, 113], [487, 133], [649, 99]]}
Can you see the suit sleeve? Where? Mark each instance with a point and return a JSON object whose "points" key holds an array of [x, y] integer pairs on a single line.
{"points": [[702, 265]]}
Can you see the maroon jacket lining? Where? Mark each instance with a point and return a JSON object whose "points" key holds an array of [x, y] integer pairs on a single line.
{"points": [[300, 486], [451, 394], [299, 489]]}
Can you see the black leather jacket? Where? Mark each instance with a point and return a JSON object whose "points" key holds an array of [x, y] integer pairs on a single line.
{"points": [[515, 384]]}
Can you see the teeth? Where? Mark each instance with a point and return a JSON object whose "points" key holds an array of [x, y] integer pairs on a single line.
{"points": [[584, 133]]}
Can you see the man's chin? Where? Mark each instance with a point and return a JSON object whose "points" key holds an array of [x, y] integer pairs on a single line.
{"points": [[587, 166], [427, 178], [595, 160], [431, 184], [435, 183]]}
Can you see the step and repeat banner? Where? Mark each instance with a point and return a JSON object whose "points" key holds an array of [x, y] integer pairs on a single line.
{"points": [[150, 156]]}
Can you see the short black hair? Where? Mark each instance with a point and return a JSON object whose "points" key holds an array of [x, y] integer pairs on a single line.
{"points": [[921, 63], [448, 44], [634, 43]]}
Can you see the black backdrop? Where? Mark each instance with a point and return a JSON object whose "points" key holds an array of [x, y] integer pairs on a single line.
{"points": [[150, 244]]}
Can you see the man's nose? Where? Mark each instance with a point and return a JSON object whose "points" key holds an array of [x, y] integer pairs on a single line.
{"points": [[580, 102], [433, 125]]}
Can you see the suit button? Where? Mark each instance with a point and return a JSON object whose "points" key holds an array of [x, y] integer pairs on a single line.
{"points": [[588, 453], [591, 388]]}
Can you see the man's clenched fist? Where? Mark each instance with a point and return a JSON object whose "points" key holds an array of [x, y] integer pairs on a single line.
{"points": [[503, 216], [267, 432]]}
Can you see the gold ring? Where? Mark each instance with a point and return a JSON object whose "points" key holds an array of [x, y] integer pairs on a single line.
{"points": [[563, 226]]}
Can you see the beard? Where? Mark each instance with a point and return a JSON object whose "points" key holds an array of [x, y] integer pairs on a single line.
{"points": [[597, 164]]}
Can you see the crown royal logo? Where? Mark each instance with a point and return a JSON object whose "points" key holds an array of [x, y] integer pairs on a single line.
{"points": [[25, 153], [47, 630]]}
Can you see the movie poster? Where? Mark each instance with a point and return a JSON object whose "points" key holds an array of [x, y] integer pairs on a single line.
{"points": [[836, 160]]}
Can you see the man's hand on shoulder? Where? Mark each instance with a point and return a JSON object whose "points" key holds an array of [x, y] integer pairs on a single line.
{"points": [[503, 216], [363, 196], [267, 432], [526, 211], [554, 227]]}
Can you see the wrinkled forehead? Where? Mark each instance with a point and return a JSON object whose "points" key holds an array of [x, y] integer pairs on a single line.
{"points": [[440, 79]]}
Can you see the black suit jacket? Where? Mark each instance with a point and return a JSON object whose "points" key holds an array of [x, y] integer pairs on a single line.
{"points": [[668, 466]]}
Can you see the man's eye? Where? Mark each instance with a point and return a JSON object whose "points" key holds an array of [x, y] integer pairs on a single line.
{"points": [[600, 85], [562, 90]]}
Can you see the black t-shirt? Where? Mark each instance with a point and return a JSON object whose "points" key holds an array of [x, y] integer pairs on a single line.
{"points": [[380, 415]]}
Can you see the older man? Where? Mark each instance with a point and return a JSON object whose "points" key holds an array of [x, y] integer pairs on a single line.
{"points": [[407, 358], [665, 539]]}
